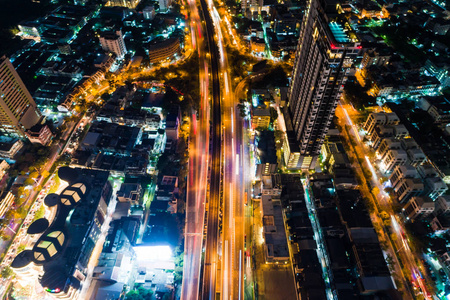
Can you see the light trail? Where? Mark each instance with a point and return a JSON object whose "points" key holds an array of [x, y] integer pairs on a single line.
{"points": [[349, 120], [232, 121], [237, 162], [240, 273], [227, 89], [225, 272], [230, 219]]}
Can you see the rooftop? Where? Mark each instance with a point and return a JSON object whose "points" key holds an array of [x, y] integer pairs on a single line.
{"points": [[70, 238]]}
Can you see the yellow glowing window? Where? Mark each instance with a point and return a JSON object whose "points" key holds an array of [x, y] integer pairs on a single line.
{"points": [[81, 186], [58, 235], [39, 256], [44, 244], [52, 250]]}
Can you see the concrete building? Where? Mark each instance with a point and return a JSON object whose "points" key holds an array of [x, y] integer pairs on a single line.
{"points": [[409, 143], [437, 107], [260, 117], [130, 192], [173, 123], [374, 275], [4, 167], [116, 265], [250, 6], [271, 185], [64, 248], [162, 51], [9, 147], [39, 133], [325, 54], [6, 202], [149, 12], [393, 158], [18, 111], [418, 207], [443, 205], [407, 188], [435, 187], [276, 247], [387, 144], [416, 157], [380, 118], [379, 56], [164, 5], [400, 172], [124, 3], [427, 171], [386, 131], [31, 30], [265, 154], [291, 151], [111, 138], [113, 42]]}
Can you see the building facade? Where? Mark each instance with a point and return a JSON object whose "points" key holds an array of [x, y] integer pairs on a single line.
{"points": [[18, 111], [123, 3], [161, 51], [325, 54], [164, 5], [113, 42]]}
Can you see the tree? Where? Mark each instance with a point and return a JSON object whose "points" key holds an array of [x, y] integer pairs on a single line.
{"points": [[31, 178], [139, 293], [40, 213], [273, 114], [6, 272]]}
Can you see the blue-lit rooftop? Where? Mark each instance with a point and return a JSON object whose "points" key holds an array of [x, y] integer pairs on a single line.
{"points": [[338, 32]]}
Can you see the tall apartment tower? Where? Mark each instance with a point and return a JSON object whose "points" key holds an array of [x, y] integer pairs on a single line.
{"points": [[325, 54], [18, 111], [113, 42]]}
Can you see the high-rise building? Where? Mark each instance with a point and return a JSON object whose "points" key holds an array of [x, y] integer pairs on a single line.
{"points": [[164, 5], [113, 42], [18, 111], [123, 3], [326, 51]]}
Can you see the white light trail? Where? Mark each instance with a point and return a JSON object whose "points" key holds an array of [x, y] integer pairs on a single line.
{"points": [[225, 75], [225, 272], [230, 219], [232, 120], [240, 272]]}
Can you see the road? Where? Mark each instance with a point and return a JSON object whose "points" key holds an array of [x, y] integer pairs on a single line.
{"points": [[198, 170], [236, 175], [211, 262]]}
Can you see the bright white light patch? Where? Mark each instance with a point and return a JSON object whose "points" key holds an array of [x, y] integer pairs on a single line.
{"points": [[153, 253]]}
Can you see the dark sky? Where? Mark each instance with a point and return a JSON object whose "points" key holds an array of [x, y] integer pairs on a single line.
{"points": [[14, 11]]}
